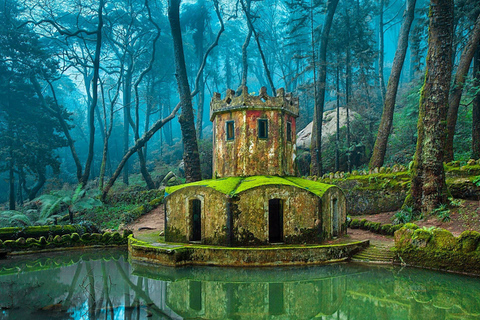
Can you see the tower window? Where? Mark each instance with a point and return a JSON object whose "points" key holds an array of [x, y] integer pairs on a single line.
{"points": [[289, 131], [230, 130], [263, 128]]}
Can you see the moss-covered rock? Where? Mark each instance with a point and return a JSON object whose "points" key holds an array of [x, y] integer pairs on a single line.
{"points": [[411, 226], [443, 239], [421, 237], [75, 237], [468, 241], [106, 237], [403, 238]]}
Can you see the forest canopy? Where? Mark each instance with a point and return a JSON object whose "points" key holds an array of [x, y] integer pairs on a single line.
{"points": [[114, 95]]}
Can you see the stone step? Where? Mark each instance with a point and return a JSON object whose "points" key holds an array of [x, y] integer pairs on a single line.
{"points": [[375, 254]]}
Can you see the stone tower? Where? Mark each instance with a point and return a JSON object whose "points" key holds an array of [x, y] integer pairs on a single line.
{"points": [[253, 135]]}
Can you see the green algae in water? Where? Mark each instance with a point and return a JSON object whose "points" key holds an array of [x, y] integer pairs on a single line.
{"points": [[102, 284]]}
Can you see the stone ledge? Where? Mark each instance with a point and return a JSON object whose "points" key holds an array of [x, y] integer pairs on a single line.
{"points": [[286, 255]]}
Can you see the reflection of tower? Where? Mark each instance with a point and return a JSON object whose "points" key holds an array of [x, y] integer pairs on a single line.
{"points": [[254, 135]]}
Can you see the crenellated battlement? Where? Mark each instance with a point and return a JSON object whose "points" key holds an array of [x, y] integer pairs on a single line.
{"points": [[241, 99]]}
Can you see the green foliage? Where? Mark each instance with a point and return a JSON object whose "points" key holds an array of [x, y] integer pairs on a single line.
{"points": [[455, 203], [406, 215], [476, 181], [442, 212]]}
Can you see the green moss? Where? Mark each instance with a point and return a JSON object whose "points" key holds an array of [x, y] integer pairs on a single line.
{"points": [[403, 238], [421, 237], [443, 239], [75, 237], [106, 237], [468, 241], [38, 231], [411, 226], [223, 185], [235, 185]]}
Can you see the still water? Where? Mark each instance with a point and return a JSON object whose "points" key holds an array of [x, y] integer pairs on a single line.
{"points": [[103, 285]]}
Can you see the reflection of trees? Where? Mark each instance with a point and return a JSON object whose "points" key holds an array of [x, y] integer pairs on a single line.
{"points": [[141, 293], [106, 289]]}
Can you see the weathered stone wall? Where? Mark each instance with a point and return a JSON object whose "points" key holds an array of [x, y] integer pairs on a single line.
{"points": [[213, 215], [299, 255], [249, 155], [333, 200], [301, 215]]}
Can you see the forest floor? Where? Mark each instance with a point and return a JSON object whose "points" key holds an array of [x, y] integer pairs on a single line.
{"points": [[464, 217]]}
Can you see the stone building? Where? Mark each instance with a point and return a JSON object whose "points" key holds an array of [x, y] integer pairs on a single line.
{"points": [[254, 197]]}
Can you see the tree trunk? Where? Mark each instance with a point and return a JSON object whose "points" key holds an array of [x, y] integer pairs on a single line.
{"points": [[476, 108], [428, 188], [457, 88], [198, 41], [244, 49], [11, 183], [139, 143], [167, 129], [93, 105], [378, 155], [337, 131], [246, 9], [32, 192], [381, 49], [348, 78], [316, 153], [191, 156], [127, 100], [57, 113]]}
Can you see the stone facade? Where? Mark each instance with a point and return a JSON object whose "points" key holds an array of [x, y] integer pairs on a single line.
{"points": [[254, 198], [245, 151], [247, 211]]}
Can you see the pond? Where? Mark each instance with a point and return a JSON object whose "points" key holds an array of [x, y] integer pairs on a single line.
{"points": [[103, 285]]}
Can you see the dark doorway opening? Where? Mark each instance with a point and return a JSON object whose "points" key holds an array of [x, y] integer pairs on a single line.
{"points": [[196, 213], [335, 217], [275, 220]]}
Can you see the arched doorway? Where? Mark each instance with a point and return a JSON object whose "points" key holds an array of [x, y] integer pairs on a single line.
{"points": [[275, 220], [196, 220], [335, 226]]}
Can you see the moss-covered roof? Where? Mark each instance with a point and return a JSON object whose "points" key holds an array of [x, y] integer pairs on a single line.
{"points": [[235, 185]]}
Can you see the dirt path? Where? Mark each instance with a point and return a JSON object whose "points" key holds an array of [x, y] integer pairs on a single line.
{"points": [[154, 220], [464, 217]]}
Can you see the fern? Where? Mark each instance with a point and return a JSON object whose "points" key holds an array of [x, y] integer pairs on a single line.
{"points": [[12, 218]]}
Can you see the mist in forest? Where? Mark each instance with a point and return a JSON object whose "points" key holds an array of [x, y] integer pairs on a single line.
{"points": [[108, 94]]}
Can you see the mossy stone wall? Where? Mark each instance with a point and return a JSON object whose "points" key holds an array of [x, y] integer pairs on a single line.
{"points": [[301, 215], [213, 215], [438, 249]]}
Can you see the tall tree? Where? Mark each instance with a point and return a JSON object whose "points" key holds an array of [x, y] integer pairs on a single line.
{"points": [[191, 156], [476, 108], [428, 189], [315, 150], [378, 155], [457, 87]]}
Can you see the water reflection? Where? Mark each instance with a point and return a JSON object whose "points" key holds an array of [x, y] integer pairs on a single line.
{"points": [[103, 285]]}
